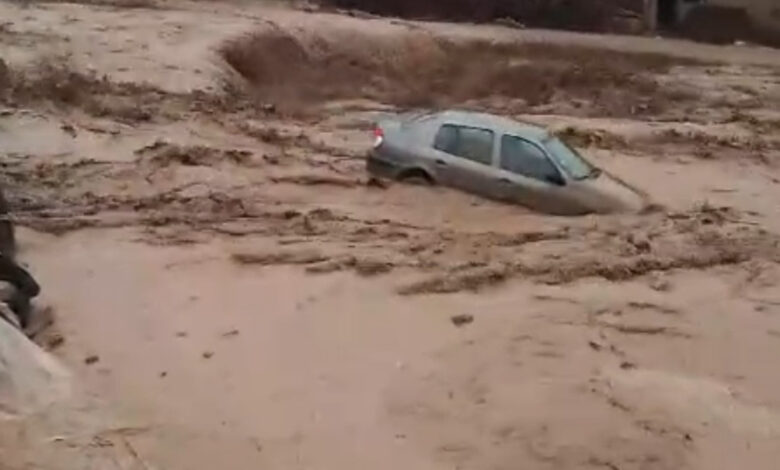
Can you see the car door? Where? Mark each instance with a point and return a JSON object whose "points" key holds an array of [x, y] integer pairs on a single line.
{"points": [[464, 158], [527, 176]]}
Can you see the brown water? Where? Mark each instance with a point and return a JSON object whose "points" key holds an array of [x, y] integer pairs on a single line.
{"points": [[587, 348]]}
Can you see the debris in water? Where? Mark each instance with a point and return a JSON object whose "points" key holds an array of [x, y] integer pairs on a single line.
{"points": [[462, 320], [660, 283], [371, 267], [68, 129], [640, 242], [55, 341], [376, 183], [308, 256]]}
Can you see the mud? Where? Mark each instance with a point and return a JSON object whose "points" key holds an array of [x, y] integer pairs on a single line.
{"points": [[286, 257], [688, 247], [200, 171], [316, 180], [472, 279], [163, 154]]}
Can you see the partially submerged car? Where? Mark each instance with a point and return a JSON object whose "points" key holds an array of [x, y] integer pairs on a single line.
{"points": [[497, 158]]}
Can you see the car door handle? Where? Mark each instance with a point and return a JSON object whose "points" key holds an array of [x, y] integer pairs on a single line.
{"points": [[441, 162], [504, 180]]}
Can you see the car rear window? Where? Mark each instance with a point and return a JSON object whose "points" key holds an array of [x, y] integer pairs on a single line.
{"points": [[471, 143]]}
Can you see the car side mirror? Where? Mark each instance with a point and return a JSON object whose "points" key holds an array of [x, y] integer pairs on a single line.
{"points": [[555, 179]]}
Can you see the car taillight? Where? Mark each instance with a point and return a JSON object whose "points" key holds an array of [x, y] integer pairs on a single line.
{"points": [[379, 136]]}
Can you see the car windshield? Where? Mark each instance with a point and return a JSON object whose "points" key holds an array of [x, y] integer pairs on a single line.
{"points": [[576, 166]]}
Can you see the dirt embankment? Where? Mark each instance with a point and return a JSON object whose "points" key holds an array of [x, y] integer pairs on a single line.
{"points": [[421, 70]]}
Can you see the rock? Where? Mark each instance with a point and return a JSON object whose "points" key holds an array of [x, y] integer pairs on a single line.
{"points": [[462, 320]]}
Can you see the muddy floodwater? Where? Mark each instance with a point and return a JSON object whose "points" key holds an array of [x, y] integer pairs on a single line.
{"points": [[189, 186]]}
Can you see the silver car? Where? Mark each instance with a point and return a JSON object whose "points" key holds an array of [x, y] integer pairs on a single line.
{"points": [[497, 158]]}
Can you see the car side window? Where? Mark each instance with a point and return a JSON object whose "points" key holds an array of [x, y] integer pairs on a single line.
{"points": [[467, 142], [524, 158], [446, 139]]}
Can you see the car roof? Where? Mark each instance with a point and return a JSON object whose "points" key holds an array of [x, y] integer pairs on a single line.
{"points": [[490, 121]]}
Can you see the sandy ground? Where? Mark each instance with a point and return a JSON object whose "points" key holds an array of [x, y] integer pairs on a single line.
{"points": [[254, 302]]}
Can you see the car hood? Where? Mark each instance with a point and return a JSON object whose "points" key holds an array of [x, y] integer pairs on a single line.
{"points": [[607, 193]]}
